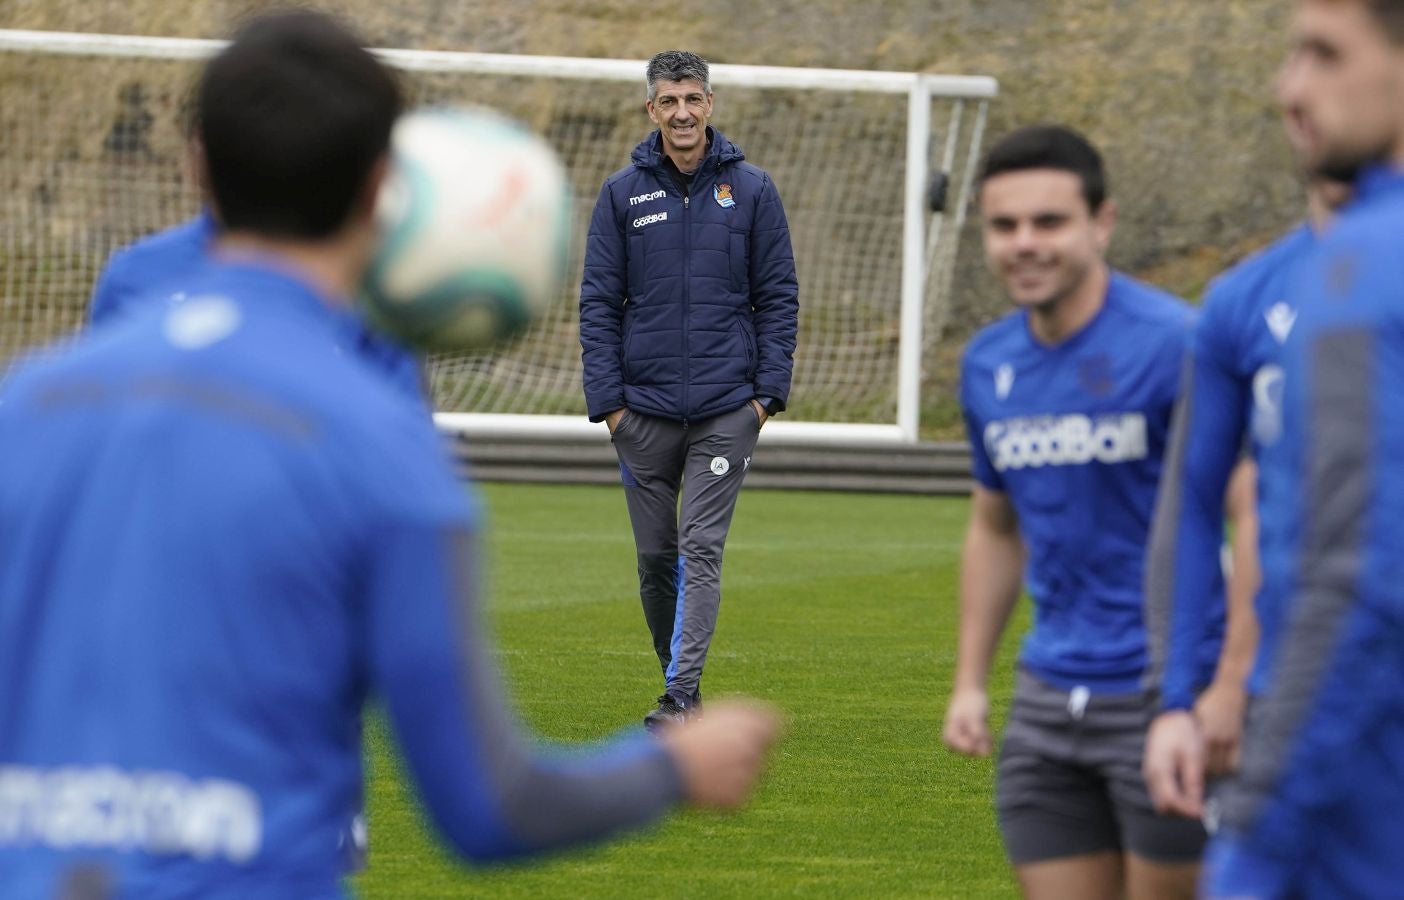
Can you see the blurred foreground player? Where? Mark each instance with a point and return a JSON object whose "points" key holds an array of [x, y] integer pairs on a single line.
{"points": [[218, 534], [1068, 403], [1314, 810], [1231, 398]]}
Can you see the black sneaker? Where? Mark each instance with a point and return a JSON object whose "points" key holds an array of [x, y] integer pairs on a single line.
{"points": [[671, 709]]}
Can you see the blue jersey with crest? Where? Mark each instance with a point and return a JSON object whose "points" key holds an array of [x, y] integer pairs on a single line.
{"points": [[1314, 810], [1231, 397], [1073, 435]]}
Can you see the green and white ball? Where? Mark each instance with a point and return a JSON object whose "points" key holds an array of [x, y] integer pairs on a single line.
{"points": [[474, 221]]}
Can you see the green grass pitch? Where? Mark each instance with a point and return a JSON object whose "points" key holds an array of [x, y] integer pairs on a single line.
{"points": [[840, 609]]}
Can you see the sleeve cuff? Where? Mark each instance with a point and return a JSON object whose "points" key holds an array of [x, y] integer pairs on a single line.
{"points": [[1174, 694], [1176, 704]]}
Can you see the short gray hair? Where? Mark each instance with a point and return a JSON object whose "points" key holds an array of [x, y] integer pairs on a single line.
{"points": [[677, 65]]}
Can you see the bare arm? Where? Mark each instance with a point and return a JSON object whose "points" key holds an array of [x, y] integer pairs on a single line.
{"points": [[1220, 708], [992, 564], [1183, 748]]}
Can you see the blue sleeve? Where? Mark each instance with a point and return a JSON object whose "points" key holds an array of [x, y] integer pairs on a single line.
{"points": [[1184, 575], [1298, 775], [1319, 739], [492, 794], [980, 465], [404, 369], [774, 296], [603, 288]]}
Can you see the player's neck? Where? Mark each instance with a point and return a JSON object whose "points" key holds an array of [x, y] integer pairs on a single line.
{"points": [[328, 266], [1319, 214], [1057, 321]]}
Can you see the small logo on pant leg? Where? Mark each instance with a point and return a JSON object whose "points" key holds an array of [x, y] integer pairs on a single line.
{"points": [[1077, 702], [746, 464], [719, 465]]}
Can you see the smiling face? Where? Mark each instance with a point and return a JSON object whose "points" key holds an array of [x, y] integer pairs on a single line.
{"points": [[1042, 239], [1342, 88], [681, 110]]}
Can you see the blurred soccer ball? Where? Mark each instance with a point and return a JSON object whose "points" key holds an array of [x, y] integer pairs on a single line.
{"points": [[474, 219]]}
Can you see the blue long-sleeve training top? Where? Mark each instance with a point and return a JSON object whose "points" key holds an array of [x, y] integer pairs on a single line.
{"points": [[220, 533], [1314, 809], [1231, 395]]}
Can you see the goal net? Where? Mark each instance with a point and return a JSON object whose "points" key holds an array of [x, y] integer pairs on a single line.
{"points": [[93, 158]]}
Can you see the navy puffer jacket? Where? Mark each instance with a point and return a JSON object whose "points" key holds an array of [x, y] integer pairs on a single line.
{"points": [[689, 306]]}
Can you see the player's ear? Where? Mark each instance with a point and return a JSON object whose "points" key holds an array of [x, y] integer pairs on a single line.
{"points": [[1104, 221], [652, 113], [196, 167], [364, 207]]}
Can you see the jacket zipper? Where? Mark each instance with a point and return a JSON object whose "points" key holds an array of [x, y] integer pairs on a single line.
{"points": [[687, 303]]}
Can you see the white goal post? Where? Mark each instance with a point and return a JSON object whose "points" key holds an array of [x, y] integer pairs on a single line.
{"points": [[93, 160]]}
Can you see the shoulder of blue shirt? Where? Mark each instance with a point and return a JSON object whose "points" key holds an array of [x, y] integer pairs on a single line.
{"points": [[1126, 297], [190, 237]]}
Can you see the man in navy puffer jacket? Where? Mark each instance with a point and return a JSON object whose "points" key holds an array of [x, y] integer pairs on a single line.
{"points": [[689, 308]]}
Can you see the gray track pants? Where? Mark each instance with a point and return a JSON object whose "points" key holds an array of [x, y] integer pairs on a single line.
{"points": [[680, 548]]}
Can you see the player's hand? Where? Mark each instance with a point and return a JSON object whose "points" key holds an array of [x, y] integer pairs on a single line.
{"points": [[967, 728], [1174, 764], [760, 412], [612, 420], [720, 754], [1219, 712]]}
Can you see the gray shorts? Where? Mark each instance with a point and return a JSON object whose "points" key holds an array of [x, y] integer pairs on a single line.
{"points": [[1070, 780]]}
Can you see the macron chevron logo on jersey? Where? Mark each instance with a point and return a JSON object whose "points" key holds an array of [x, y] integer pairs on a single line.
{"points": [[1004, 380], [1280, 319], [1071, 440]]}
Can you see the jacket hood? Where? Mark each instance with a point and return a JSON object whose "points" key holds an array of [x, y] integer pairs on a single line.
{"points": [[649, 153]]}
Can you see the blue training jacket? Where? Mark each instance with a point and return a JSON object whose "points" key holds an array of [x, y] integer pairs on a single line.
{"points": [[157, 269], [219, 534], [1073, 434], [1232, 390], [689, 306], [1314, 810]]}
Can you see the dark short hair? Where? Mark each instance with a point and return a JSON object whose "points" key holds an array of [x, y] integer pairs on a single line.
{"points": [[1390, 15], [1049, 147], [294, 115], [677, 65]]}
